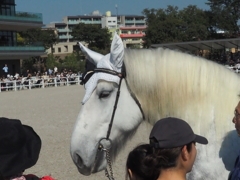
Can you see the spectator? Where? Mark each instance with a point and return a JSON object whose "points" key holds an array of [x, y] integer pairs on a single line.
{"points": [[170, 154], [16, 76], [50, 71], [5, 70], [19, 150], [55, 70], [26, 73], [235, 173]]}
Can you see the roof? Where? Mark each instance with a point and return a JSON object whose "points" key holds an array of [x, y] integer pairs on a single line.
{"points": [[202, 45]]}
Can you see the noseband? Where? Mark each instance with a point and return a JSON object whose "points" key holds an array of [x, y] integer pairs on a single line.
{"points": [[100, 145]]}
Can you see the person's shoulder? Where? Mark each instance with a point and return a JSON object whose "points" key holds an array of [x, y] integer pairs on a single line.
{"points": [[34, 177], [47, 178]]}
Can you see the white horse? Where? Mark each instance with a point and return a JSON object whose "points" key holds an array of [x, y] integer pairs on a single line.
{"points": [[165, 83]]}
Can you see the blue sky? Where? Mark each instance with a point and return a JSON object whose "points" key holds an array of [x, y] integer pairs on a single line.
{"points": [[54, 10]]}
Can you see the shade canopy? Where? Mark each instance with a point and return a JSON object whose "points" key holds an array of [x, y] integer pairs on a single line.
{"points": [[202, 45]]}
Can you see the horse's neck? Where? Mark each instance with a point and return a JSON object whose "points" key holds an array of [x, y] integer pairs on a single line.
{"points": [[169, 83]]}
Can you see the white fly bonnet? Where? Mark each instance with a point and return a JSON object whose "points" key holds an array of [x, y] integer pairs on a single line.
{"points": [[112, 61]]}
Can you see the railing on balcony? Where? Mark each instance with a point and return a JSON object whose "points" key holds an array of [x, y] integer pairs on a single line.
{"points": [[140, 21], [73, 22], [63, 37], [64, 30], [24, 16], [22, 48], [129, 21]]}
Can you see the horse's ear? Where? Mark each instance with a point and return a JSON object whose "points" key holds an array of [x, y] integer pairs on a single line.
{"points": [[93, 56], [117, 52]]}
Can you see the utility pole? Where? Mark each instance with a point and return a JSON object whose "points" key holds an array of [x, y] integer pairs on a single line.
{"points": [[116, 6]]}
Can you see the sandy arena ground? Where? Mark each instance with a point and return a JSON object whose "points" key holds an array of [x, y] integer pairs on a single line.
{"points": [[52, 113]]}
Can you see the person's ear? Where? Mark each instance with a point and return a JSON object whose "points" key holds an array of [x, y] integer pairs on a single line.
{"points": [[130, 173], [184, 153]]}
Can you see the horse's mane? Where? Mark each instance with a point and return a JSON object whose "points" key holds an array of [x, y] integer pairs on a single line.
{"points": [[172, 83]]}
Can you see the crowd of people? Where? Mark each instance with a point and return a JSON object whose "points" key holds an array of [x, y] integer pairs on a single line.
{"points": [[37, 79]]}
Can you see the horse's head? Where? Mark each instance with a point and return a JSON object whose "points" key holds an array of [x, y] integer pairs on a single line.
{"points": [[94, 118]]}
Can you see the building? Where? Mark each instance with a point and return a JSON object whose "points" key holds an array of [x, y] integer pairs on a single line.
{"points": [[11, 22], [132, 36], [133, 24]]}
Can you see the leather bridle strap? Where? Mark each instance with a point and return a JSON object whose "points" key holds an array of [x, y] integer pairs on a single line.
{"points": [[121, 76], [114, 109]]}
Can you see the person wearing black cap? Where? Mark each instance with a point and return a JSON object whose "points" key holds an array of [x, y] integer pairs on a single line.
{"points": [[170, 155], [19, 150]]}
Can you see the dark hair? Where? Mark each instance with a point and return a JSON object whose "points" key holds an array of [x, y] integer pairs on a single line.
{"points": [[146, 162], [1, 176]]}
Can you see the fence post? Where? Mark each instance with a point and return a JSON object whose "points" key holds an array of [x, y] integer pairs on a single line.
{"points": [[15, 85], [43, 83], [55, 81], [78, 79], [67, 82], [29, 84]]}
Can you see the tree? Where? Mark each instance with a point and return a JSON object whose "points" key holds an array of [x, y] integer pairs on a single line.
{"points": [[51, 61], [73, 62], [195, 24], [93, 35], [225, 15], [171, 25], [37, 36], [162, 25]]}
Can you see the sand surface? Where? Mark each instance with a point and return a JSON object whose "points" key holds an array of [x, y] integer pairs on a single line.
{"points": [[52, 112]]}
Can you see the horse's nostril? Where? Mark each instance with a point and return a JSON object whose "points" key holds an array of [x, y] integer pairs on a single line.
{"points": [[79, 161]]}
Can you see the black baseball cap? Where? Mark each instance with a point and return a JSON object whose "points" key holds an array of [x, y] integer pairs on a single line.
{"points": [[173, 132]]}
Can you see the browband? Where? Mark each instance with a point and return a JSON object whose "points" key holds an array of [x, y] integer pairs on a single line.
{"points": [[108, 71]]}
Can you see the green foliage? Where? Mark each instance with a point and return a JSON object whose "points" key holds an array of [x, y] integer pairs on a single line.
{"points": [[51, 61], [95, 36], [36, 35], [27, 64], [225, 15], [171, 25], [72, 61]]}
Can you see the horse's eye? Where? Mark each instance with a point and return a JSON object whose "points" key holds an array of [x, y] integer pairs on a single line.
{"points": [[104, 94]]}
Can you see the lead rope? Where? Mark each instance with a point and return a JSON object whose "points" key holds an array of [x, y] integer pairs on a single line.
{"points": [[109, 176], [100, 146]]}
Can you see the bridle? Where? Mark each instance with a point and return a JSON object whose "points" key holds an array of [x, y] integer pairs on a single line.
{"points": [[100, 145]]}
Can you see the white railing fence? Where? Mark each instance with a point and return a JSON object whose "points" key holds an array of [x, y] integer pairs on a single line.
{"points": [[38, 83]]}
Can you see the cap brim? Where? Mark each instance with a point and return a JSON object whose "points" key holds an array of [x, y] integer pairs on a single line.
{"points": [[200, 139]]}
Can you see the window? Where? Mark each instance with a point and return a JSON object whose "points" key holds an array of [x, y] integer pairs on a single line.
{"points": [[59, 49], [66, 48]]}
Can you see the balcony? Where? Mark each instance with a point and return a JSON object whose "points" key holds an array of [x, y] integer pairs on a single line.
{"points": [[140, 21], [23, 16], [130, 21], [63, 37], [20, 52], [73, 22], [21, 48], [21, 21], [131, 35], [64, 30]]}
